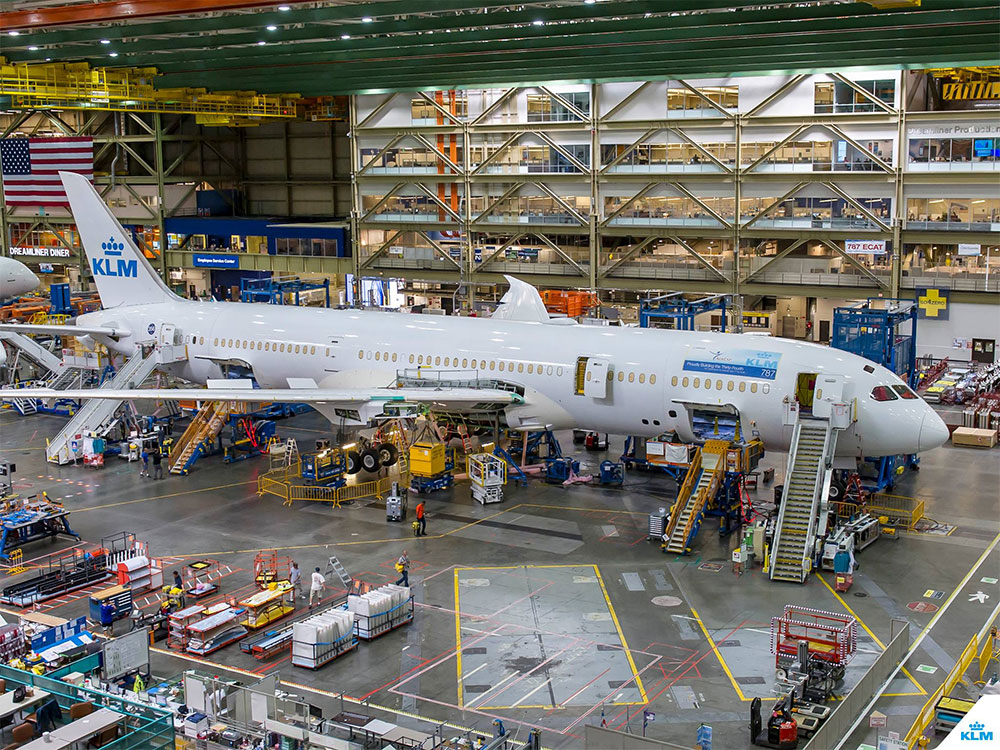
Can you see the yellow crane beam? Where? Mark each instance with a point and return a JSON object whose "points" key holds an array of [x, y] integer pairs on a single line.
{"points": [[78, 86]]}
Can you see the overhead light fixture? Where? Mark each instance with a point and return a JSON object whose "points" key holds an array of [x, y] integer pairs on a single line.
{"points": [[367, 19], [112, 54], [105, 41], [538, 22], [589, 2], [14, 33], [284, 7], [345, 36], [33, 48], [261, 43], [271, 27]]}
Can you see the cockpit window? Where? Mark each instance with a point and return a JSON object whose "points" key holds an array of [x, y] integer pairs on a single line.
{"points": [[883, 393], [905, 392]]}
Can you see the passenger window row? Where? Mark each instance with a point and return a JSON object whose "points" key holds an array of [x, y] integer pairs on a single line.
{"points": [[268, 346], [428, 360], [719, 385]]}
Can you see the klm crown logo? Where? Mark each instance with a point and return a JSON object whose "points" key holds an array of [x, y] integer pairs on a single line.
{"points": [[975, 732], [123, 268]]}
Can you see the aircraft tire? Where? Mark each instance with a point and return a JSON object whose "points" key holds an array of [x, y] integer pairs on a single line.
{"points": [[353, 462], [387, 454], [370, 460]]}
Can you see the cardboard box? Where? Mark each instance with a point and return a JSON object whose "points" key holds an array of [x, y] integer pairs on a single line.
{"points": [[974, 438]]}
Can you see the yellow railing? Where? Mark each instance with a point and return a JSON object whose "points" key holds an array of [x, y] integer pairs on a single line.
{"points": [[281, 483], [983, 641], [902, 511]]}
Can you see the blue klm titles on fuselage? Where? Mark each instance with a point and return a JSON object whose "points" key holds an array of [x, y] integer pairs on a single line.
{"points": [[746, 363]]}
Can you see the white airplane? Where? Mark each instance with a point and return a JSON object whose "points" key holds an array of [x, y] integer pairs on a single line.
{"points": [[15, 278], [542, 373]]}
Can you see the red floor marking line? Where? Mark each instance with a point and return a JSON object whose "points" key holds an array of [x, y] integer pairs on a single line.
{"points": [[272, 665], [411, 669]]}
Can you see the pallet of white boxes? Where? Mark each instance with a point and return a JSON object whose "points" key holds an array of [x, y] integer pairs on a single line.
{"points": [[323, 637]]}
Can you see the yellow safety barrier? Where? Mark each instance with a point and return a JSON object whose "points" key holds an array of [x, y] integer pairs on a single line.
{"points": [[281, 483], [16, 562], [902, 512], [971, 653]]}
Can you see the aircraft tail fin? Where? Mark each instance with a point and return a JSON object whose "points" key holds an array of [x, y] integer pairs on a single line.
{"points": [[121, 272]]}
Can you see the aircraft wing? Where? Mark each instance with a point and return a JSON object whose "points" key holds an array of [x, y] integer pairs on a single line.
{"points": [[328, 396], [64, 330]]}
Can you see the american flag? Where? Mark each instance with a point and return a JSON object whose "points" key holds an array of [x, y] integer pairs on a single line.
{"points": [[31, 168]]}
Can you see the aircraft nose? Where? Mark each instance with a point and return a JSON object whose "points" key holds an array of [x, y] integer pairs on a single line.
{"points": [[26, 280], [933, 431]]}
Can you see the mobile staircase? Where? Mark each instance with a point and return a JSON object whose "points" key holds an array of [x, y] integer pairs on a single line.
{"points": [[200, 434], [32, 349], [810, 458], [97, 415], [708, 466]]}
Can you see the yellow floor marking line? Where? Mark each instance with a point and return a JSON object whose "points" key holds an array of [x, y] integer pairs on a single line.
{"points": [[163, 497], [718, 655], [611, 611], [875, 638]]}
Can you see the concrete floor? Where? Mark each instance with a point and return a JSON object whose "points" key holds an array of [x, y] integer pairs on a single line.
{"points": [[566, 615]]}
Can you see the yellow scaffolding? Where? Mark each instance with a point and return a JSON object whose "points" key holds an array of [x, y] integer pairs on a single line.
{"points": [[78, 86]]}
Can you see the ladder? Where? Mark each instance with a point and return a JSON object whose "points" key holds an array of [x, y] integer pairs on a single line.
{"points": [[97, 413], [291, 454], [335, 568], [813, 445], [699, 486], [205, 426]]}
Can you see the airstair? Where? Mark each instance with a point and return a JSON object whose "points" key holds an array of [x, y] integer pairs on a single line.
{"points": [[708, 466], [32, 349], [97, 414], [204, 428], [810, 457]]}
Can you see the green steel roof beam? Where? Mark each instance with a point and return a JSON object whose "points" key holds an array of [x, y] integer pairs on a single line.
{"points": [[375, 82], [439, 15], [641, 31], [914, 39]]}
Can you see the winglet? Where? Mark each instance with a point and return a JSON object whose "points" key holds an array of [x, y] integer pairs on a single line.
{"points": [[521, 302]]}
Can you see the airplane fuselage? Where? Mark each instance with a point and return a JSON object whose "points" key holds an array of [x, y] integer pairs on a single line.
{"points": [[655, 379]]}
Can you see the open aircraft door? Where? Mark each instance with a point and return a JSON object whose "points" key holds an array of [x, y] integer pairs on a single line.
{"points": [[698, 422]]}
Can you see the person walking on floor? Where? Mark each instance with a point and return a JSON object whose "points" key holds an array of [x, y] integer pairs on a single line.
{"points": [[108, 618], [157, 463], [295, 578], [316, 588], [421, 518], [403, 568], [144, 470]]}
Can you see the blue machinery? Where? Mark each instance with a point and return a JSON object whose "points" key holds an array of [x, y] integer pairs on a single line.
{"points": [[680, 311], [274, 290], [874, 333], [872, 329]]}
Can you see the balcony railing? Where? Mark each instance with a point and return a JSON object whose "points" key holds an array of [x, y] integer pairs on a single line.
{"points": [[667, 221], [808, 222], [953, 166], [954, 226], [964, 281]]}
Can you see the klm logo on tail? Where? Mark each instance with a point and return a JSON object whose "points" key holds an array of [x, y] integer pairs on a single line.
{"points": [[107, 267]]}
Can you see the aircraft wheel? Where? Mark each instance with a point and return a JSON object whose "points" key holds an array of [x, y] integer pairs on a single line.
{"points": [[353, 462], [837, 491], [370, 460], [387, 454]]}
